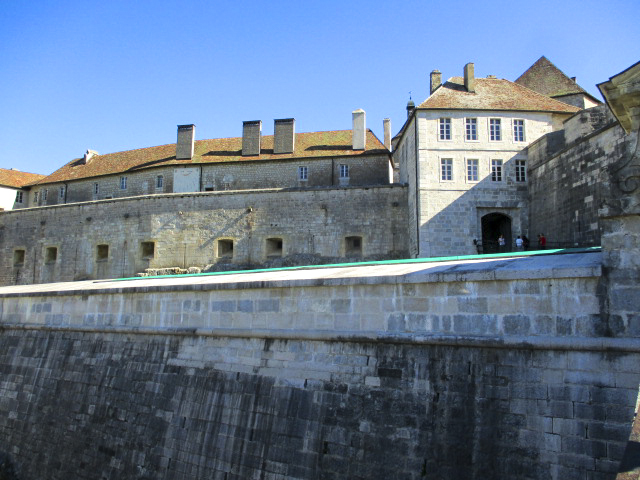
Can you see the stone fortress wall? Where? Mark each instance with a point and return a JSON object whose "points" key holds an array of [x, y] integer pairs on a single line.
{"points": [[500, 368], [569, 177], [121, 237]]}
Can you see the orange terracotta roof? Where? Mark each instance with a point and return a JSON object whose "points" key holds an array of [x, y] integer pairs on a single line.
{"points": [[17, 179], [545, 78], [492, 94], [217, 150]]}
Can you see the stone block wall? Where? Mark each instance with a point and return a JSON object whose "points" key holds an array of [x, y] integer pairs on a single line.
{"points": [[569, 180], [474, 370], [185, 230]]}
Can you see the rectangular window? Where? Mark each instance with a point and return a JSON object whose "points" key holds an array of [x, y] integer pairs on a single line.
{"points": [[148, 249], [96, 189], [521, 170], [495, 132], [496, 170], [18, 257], [472, 169], [225, 248], [353, 246], [445, 129], [123, 183], [303, 173], [102, 253], [518, 130], [344, 171], [61, 193], [51, 254], [45, 195], [18, 196], [274, 247], [35, 198], [446, 169], [471, 129], [159, 181]]}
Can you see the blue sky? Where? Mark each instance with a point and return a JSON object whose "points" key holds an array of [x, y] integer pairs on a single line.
{"points": [[119, 75]]}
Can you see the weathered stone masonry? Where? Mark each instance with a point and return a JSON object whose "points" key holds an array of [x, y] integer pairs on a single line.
{"points": [[486, 369], [104, 239]]}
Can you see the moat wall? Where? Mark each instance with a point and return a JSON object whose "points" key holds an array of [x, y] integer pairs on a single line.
{"points": [[502, 368]]}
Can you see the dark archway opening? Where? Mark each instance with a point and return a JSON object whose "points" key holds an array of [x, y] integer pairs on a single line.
{"points": [[494, 225]]}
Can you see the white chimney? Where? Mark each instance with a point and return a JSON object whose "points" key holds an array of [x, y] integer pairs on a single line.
{"points": [[359, 129], [88, 156]]}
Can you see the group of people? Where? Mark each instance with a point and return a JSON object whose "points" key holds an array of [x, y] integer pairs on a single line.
{"points": [[522, 243]]}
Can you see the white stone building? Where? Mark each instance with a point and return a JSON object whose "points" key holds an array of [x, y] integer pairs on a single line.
{"points": [[463, 154], [14, 188]]}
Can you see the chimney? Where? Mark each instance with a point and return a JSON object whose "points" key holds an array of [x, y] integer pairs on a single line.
{"points": [[186, 139], [88, 155], [386, 123], [469, 78], [359, 129], [251, 137], [574, 79], [284, 135], [436, 80]]}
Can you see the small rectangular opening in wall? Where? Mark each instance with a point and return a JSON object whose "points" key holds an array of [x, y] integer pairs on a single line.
{"points": [[148, 249], [51, 254], [274, 247], [18, 258], [225, 248], [353, 246], [102, 253]]}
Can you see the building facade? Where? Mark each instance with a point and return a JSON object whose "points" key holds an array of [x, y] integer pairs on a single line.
{"points": [[14, 188], [463, 154]]}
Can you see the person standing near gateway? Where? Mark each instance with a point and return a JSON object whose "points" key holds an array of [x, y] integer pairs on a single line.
{"points": [[542, 242], [501, 243], [519, 244]]}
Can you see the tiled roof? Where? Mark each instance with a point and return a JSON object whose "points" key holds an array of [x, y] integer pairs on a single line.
{"points": [[17, 179], [492, 94], [217, 150], [545, 78]]}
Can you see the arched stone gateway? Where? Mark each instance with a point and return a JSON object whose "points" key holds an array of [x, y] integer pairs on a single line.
{"points": [[494, 225]]}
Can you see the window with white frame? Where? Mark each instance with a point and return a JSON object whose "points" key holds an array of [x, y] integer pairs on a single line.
{"points": [[18, 196], [471, 129], [472, 169], [518, 130], [445, 129], [521, 170], [496, 170], [61, 193], [96, 189], [344, 171], [446, 169], [495, 130], [303, 173], [123, 183], [159, 181]]}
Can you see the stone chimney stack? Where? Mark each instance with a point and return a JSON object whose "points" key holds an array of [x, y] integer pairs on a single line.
{"points": [[359, 129], [469, 78], [386, 123], [251, 137], [87, 156], [284, 134], [436, 80], [186, 140]]}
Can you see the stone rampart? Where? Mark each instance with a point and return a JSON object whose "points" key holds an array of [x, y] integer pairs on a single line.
{"points": [[121, 237], [492, 368]]}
